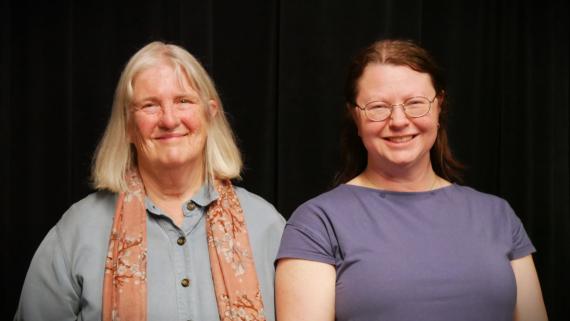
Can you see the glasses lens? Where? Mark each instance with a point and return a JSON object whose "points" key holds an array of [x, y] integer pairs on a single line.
{"points": [[417, 106], [377, 111]]}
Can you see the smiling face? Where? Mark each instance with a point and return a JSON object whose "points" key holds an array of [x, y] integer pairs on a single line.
{"points": [[397, 142], [168, 127]]}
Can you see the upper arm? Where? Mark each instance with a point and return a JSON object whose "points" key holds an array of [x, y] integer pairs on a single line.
{"points": [[529, 305], [305, 290], [306, 274], [48, 292]]}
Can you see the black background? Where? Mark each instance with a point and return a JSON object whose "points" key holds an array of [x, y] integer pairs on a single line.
{"points": [[279, 66]]}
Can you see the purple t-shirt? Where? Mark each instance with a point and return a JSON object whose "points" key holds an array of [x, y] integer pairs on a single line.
{"points": [[438, 255]]}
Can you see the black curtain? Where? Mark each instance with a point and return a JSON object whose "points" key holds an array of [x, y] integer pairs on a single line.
{"points": [[279, 67]]}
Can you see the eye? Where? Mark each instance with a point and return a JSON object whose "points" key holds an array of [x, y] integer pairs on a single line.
{"points": [[187, 100], [417, 101], [377, 106], [149, 107]]}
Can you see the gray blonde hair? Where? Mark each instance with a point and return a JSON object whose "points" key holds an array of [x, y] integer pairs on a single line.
{"points": [[115, 155]]}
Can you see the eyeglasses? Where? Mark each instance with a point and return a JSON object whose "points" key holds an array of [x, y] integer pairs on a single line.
{"points": [[413, 107]]}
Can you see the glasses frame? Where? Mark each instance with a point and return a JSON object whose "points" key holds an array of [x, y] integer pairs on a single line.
{"points": [[403, 105]]}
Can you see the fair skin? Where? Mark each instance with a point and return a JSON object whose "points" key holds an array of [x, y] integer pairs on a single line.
{"points": [[530, 305], [398, 147], [398, 160], [305, 290], [169, 131]]}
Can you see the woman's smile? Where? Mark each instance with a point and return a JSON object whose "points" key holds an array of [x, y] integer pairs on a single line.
{"points": [[400, 139]]}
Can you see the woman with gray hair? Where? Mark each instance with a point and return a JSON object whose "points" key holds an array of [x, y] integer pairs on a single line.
{"points": [[166, 236]]}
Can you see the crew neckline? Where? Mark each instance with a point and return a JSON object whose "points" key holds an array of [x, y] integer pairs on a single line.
{"points": [[403, 193]]}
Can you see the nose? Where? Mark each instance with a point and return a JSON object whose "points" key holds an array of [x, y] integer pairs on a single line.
{"points": [[398, 117], [169, 118]]}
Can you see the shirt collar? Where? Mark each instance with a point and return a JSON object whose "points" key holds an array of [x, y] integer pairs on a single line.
{"points": [[205, 195]]}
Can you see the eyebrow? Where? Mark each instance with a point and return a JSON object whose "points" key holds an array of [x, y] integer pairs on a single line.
{"points": [[177, 96], [406, 97]]}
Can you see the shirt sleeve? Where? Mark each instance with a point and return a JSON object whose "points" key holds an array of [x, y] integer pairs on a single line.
{"points": [[49, 292], [309, 235], [521, 244]]}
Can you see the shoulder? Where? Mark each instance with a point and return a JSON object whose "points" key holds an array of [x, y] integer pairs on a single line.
{"points": [[264, 224], [89, 217], [334, 197], [500, 219], [257, 208], [94, 207], [335, 200], [489, 208], [80, 237], [477, 198], [325, 208]]}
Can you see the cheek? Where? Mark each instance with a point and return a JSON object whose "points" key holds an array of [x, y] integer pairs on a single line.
{"points": [[428, 126], [142, 126], [370, 134], [360, 124], [194, 120], [367, 128], [429, 123]]}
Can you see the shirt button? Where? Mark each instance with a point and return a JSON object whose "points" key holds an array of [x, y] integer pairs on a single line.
{"points": [[185, 282], [181, 240], [190, 206]]}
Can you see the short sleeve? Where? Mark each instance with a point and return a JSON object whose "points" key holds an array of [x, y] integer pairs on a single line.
{"points": [[521, 244], [309, 235]]}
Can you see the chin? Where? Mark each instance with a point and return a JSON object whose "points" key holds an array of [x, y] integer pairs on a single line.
{"points": [[400, 163], [403, 160], [168, 162]]}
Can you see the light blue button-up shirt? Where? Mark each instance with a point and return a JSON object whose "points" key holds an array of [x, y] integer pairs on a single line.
{"points": [[65, 279]]}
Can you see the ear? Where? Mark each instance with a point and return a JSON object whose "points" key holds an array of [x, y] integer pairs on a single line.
{"points": [[441, 99], [213, 108]]}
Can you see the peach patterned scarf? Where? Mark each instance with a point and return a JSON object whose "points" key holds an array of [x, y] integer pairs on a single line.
{"points": [[231, 259]]}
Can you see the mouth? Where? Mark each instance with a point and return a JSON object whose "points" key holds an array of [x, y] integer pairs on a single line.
{"points": [[400, 139], [171, 136]]}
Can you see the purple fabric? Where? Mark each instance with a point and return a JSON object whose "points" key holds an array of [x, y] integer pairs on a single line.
{"points": [[438, 255]]}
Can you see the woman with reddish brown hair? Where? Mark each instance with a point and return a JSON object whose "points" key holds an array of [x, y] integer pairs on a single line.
{"points": [[398, 238]]}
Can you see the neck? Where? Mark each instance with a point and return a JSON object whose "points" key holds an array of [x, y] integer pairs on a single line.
{"points": [[166, 185], [399, 179]]}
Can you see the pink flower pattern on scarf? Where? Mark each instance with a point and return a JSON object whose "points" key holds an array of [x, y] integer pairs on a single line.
{"points": [[231, 260]]}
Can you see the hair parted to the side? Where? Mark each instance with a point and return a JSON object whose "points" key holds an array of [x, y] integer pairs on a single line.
{"points": [[115, 155], [399, 53]]}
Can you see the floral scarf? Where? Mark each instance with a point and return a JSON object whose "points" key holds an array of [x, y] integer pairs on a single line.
{"points": [[231, 259]]}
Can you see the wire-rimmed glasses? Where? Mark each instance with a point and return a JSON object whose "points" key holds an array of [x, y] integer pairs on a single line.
{"points": [[413, 107]]}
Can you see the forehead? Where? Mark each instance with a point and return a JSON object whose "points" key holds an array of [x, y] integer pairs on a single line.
{"points": [[162, 77], [389, 81]]}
